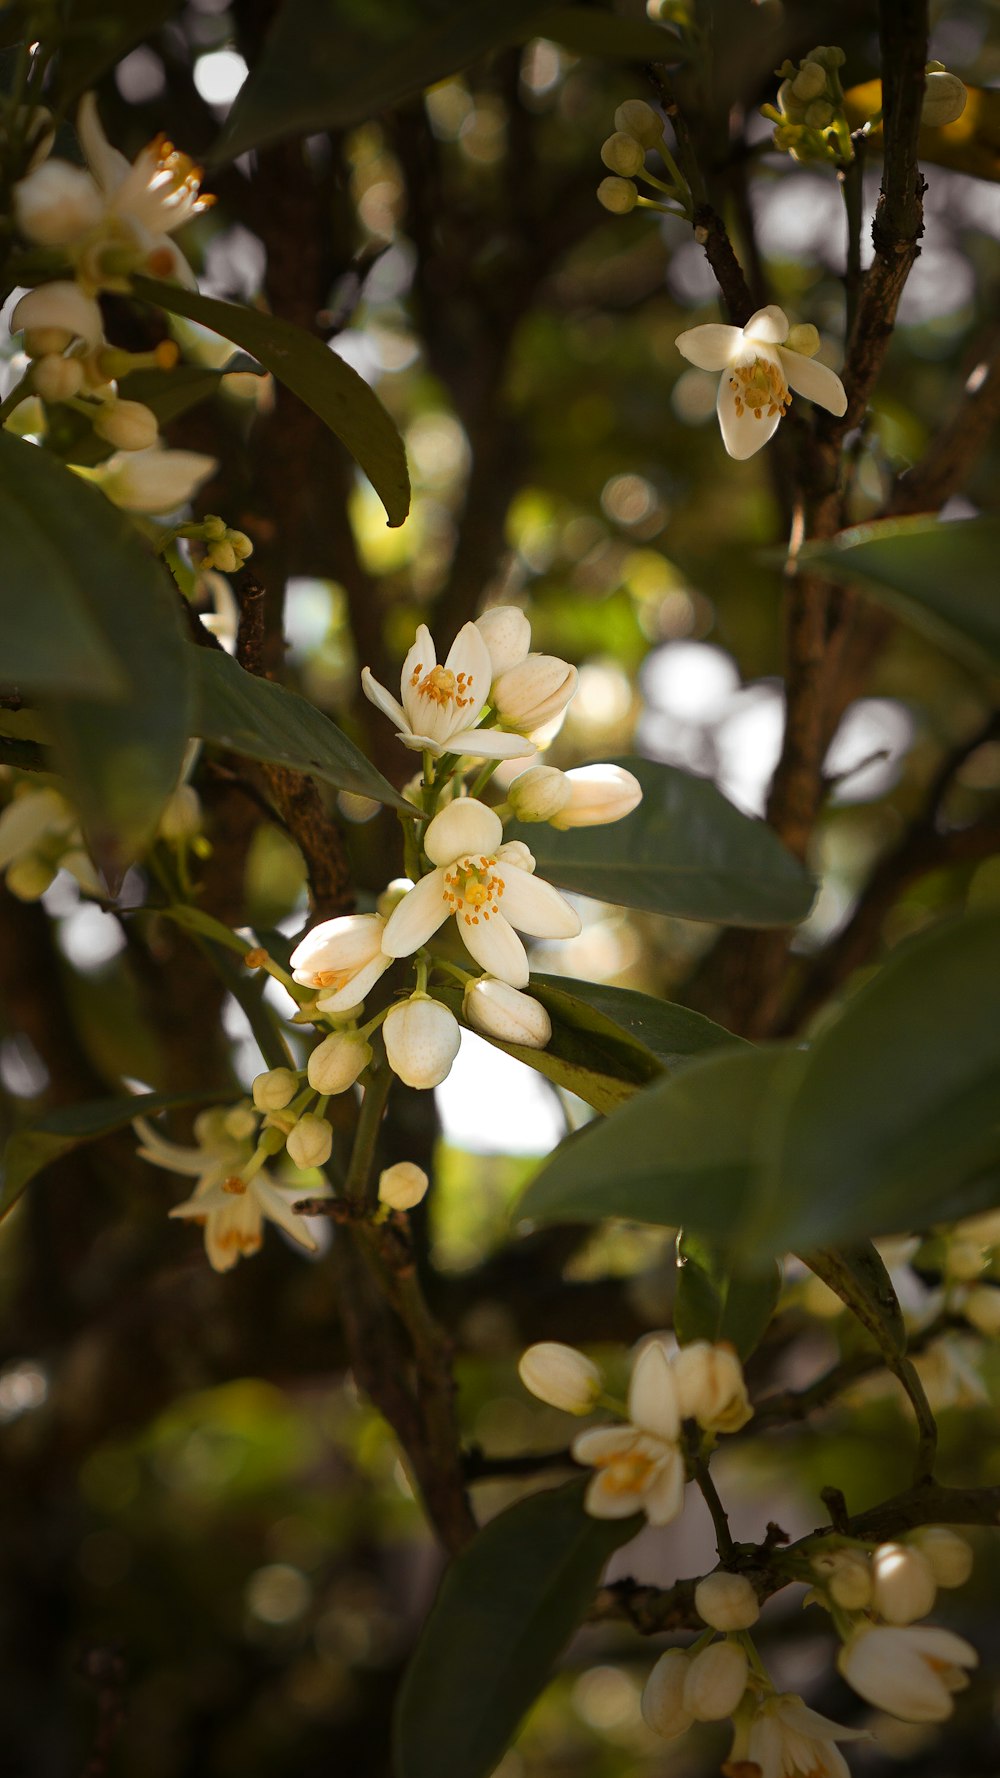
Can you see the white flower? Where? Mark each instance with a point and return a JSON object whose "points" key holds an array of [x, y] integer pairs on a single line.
{"points": [[639, 1465], [903, 1584], [402, 1185], [507, 635], [561, 1376], [598, 794], [336, 1063], [310, 1142], [758, 372], [786, 1738], [441, 706], [55, 315], [232, 1209], [422, 1039], [150, 197], [342, 957], [911, 1672], [715, 1682], [528, 696], [128, 425], [499, 1010], [726, 1601], [662, 1703], [57, 203], [474, 875], [154, 481], [949, 1555], [710, 1387]]}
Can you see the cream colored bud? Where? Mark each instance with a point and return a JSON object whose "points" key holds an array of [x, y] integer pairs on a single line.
{"points": [[275, 1089], [311, 1142], [809, 82], [239, 1121], [530, 695], [182, 814], [726, 1601], [982, 1309], [28, 877], [904, 1587], [392, 895], [561, 1376], [422, 1039], [56, 204], [636, 118], [819, 114], [507, 635], [964, 1258], [804, 339], [662, 1705], [128, 425], [949, 1555], [54, 315], [617, 195], [945, 98], [241, 543], [223, 557], [598, 794], [56, 378], [847, 1574], [710, 1387], [539, 793], [494, 1007], [829, 55], [716, 1680], [623, 154], [402, 1186], [336, 1063]]}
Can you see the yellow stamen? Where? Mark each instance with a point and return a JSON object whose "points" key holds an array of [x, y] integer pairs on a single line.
{"points": [[442, 686], [759, 385], [234, 1185]]}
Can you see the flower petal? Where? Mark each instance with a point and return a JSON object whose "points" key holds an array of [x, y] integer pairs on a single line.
{"points": [[711, 347], [109, 167], [354, 991], [462, 827], [173, 1156], [534, 906], [742, 433], [769, 325], [652, 1396], [791, 1710], [605, 1500], [813, 380], [277, 1208], [664, 1498], [496, 948], [382, 699], [469, 654], [422, 910], [600, 1444], [490, 743]]}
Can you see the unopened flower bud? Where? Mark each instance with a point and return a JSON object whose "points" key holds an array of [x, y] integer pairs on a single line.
{"points": [[128, 425], [715, 1682], [804, 339], [617, 195], [507, 635], [964, 1258], [561, 1376], [662, 1705], [710, 1387], [623, 154], [242, 544], [182, 814], [809, 82], [982, 1309], [598, 794], [829, 55], [945, 98], [275, 1089], [531, 694], [636, 118], [311, 1142], [904, 1587], [336, 1063], [54, 315], [726, 1601], [222, 556], [949, 1555], [847, 1575], [392, 895], [819, 114], [28, 877], [422, 1039], [402, 1186], [56, 204], [539, 793], [507, 1013], [56, 378], [239, 1121]]}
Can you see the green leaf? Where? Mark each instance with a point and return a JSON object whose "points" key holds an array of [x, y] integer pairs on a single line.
{"points": [[894, 1116], [590, 31], [48, 1138], [96, 34], [263, 720], [717, 1300], [941, 578], [858, 1276], [684, 851], [683, 1153], [335, 392], [507, 1607]]}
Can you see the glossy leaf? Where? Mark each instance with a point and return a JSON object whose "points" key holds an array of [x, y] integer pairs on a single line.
{"points": [[506, 1609], [858, 1276], [263, 720], [716, 1299], [939, 577], [335, 392], [592, 31], [684, 851], [50, 1137]]}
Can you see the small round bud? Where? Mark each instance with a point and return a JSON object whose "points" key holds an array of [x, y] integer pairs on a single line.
{"points": [[847, 1576], [829, 55], [560, 1376], [726, 1601], [539, 793], [949, 1555], [904, 1587], [336, 1063], [636, 118], [982, 1309], [392, 895], [819, 114], [182, 816], [663, 1708], [222, 556], [945, 98], [57, 379], [710, 1387], [507, 1013], [402, 1186], [311, 1142], [128, 425], [239, 1121], [623, 154], [617, 195], [804, 339], [507, 635], [422, 1039], [809, 82], [275, 1089], [716, 1680], [241, 543]]}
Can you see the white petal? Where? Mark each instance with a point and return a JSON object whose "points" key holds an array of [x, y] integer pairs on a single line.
{"points": [[354, 991], [602, 1443], [382, 699], [664, 1498], [469, 654], [533, 906], [813, 380], [167, 1154], [769, 325], [798, 1716], [278, 1209], [711, 347], [490, 743], [422, 910], [604, 1500], [652, 1396], [421, 660], [346, 942], [496, 948], [108, 166], [460, 828], [742, 434]]}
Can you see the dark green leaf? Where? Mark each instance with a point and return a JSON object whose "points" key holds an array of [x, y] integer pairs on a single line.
{"points": [[97, 34], [50, 1137], [939, 577], [684, 851], [717, 1300], [342, 399], [589, 31], [507, 1607], [263, 720], [857, 1275]]}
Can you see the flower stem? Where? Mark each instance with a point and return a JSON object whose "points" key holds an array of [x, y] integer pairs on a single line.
{"points": [[723, 1536], [377, 1081]]}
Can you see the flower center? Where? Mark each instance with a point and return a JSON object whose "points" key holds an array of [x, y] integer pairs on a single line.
{"points": [[331, 978], [234, 1185], [627, 1472], [443, 686], [471, 888], [759, 387], [175, 174]]}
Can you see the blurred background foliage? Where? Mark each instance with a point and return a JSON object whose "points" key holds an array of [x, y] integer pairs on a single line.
{"points": [[213, 1560]]}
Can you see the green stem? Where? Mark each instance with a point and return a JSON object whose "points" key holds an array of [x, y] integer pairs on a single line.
{"points": [[850, 181], [377, 1081], [480, 782], [723, 1536]]}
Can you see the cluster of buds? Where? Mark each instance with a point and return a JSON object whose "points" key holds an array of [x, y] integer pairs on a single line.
{"points": [[810, 117], [638, 129], [222, 549]]}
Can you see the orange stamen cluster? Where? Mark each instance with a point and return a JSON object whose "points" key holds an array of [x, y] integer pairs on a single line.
{"points": [[472, 888], [177, 171], [758, 387], [627, 1471], [234, 1185], [443, 686], [331, 978]]}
